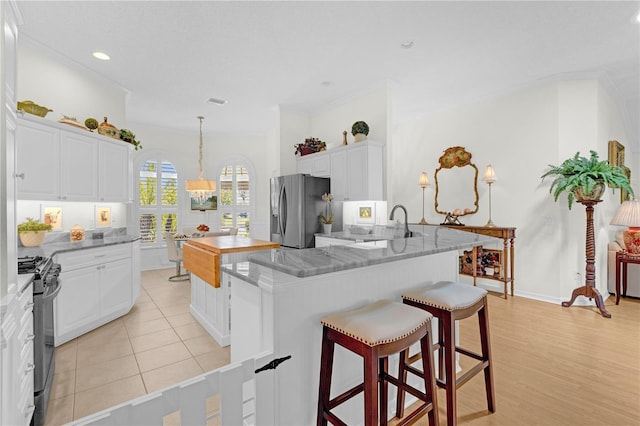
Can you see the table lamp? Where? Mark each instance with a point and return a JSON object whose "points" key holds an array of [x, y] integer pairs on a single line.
{"points": [[489, 177], [628, 214], [423, 183]]}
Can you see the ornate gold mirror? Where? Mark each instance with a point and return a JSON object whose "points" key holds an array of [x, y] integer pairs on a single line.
{"points": [[456, 185]]}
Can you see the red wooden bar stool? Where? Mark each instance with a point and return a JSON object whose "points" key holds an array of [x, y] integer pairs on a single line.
{"points": [[374, 332], [449, 301]]}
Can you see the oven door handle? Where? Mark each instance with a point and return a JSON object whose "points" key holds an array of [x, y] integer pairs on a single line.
{"points": [[53, 293]]}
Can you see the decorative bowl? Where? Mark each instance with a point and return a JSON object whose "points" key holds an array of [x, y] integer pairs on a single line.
{"points": [[32, 238], [33, 108]]}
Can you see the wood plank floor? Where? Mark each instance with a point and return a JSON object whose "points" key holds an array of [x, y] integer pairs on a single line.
{"points": [[555, 365]]}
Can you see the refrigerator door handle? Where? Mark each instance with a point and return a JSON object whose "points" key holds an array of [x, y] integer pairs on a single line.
{"points": [[282, 216]]}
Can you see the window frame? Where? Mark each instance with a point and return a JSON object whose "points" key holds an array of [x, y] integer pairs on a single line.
{"points": [[234, 209]]}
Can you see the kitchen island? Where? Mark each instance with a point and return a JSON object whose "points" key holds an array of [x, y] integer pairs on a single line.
{"points": [[209, 291], [279, 297]]}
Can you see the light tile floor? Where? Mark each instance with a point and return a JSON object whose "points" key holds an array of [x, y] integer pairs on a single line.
{"points": [[157, 344]]}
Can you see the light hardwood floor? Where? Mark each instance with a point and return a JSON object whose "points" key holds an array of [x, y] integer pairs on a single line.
{"points": [[555, 365], [552, 365]]}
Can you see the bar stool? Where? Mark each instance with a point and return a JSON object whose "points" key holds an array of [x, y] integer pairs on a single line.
{"points": [[449, 301], [374, 332]]}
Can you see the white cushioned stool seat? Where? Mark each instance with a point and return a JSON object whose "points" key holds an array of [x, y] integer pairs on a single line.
{"points": [[381, 322], [447, 295]]}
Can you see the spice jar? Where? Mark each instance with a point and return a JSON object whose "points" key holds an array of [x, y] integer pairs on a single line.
{"points": [[76, 233]]}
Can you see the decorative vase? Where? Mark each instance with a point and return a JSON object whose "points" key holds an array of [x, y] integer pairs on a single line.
{"points": [[594, 195], [327, 227], [359, 137], [32, 238], [631, 238]]}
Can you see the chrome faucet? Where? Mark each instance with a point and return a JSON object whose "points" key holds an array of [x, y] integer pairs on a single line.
{"points": [[407, 233]]}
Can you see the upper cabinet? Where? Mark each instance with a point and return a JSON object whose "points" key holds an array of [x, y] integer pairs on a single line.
{"points": [[356, 171], [55, 163]]}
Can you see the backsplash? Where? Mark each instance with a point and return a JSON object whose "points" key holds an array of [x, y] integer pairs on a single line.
{"points": [[64, 237]]}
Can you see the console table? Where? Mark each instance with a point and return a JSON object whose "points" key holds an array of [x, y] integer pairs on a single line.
{"points": [[508, 236], [623, 258]]}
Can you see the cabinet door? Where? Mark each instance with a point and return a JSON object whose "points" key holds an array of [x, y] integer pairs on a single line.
{"points": [[113, 175], [77, 304], [38, 166], [339, 181], [78, 167], [115, 287]]}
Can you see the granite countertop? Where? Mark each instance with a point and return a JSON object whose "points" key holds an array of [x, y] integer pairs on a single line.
{"points": [[316, 261], [50, 249]]}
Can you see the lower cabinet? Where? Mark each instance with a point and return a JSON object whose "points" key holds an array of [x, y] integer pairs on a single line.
{"points": [[210, 307], [98, 285], [16, 360], [328, 241]]}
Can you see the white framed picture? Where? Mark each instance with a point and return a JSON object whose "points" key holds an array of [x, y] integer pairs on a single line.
{"points": [[366, 213], [52, 215], [103, 217]]}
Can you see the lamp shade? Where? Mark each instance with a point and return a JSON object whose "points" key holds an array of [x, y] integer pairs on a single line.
{"points": [[489, 174], [424, 180], [628, 214], [200, 185]]}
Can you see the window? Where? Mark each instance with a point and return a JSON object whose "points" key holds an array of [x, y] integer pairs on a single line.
{"points": [[158, 209], [235, 203]]}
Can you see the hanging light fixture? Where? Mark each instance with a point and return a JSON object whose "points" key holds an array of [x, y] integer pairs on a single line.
{"points": [[200, 188]]}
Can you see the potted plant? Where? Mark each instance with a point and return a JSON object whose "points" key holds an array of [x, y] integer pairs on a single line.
{"points": [[359, 130], [309, 146], [585, 178], [128, 136], [32, 232], [327, 218]]}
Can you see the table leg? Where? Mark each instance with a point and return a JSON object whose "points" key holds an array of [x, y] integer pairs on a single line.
{"points": [[512, 261], [618, 279], [503, 266], [624, 279]]}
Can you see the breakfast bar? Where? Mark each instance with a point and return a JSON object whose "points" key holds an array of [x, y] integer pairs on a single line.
{"points": [[279, 297]]}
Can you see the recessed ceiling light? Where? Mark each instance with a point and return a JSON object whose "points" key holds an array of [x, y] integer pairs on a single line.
{"points": [[326, 83], [217, 101], [407, 45], [101, 55], [638, 17]]}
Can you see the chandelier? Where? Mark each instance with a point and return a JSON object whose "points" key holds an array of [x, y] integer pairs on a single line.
{"points": [[201, 188]]}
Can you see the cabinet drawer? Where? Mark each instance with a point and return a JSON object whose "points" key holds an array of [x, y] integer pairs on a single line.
{"points": [[92, 256]]}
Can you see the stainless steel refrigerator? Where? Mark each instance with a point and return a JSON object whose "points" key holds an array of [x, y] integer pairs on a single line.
{"points": [[296, 203]]}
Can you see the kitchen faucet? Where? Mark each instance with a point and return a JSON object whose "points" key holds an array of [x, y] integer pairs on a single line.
{"points": [[407, 233]]}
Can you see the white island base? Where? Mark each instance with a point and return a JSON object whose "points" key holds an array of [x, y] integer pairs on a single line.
{"points": [[282, 314]]}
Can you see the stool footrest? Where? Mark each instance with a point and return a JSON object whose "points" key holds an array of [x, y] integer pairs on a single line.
{"points": [[345, 396], [406, 387], [470, 373], [470, 354], [411, 418]]}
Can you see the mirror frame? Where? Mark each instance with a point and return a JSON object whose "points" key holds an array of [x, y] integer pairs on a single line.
{"points": [[456, 156]]}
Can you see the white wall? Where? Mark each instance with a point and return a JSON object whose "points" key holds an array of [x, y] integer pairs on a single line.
{"points": [[520, 134], [46, 79]]}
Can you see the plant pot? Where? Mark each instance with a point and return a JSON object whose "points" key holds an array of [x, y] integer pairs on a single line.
{"points": [[327, 227], [594, 195], [32, 238], [359, 137]]}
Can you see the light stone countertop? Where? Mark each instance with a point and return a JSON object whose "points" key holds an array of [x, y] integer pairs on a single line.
{"points": [[316, 261], [49, 249]]}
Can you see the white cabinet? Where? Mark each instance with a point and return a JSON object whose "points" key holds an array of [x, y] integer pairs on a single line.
{"points": [[114, 172], [55, 162], [98, 285], [210, 306], [38, 165], [78, 167], [318, 164], [16, 345], [357, 172]]}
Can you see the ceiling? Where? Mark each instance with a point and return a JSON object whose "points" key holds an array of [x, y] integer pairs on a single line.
{"points": [[171, 56]]}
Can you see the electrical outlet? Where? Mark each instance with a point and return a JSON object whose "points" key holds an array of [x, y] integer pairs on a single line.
{"points": [[579, 277]]}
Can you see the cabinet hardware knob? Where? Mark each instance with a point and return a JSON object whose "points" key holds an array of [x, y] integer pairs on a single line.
{"points": [[29, 338], [30, 368], [29, 306], [20, 111], [19, 175]]}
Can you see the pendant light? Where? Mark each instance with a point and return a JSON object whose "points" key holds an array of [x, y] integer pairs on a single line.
{"points": [[200, 188]]}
